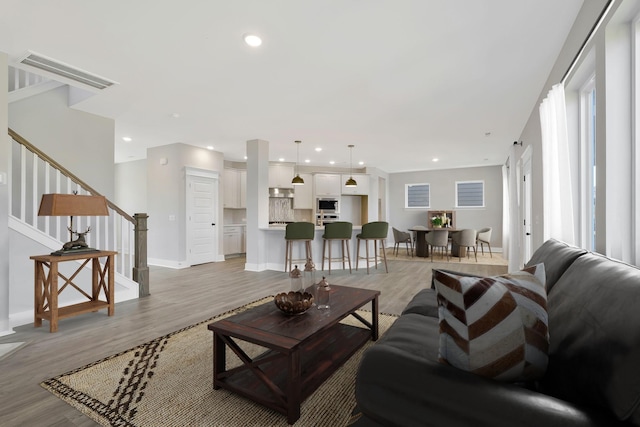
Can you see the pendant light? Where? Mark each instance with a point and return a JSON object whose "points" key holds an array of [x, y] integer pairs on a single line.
{"points": [[296, 179], [350, 182]]}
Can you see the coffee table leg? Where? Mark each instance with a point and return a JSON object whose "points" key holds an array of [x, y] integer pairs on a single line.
{"points": [[374, 318], [293, 388], [219, 358]]}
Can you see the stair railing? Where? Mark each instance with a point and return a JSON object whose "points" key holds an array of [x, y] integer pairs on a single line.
{"points": [[33, 174]]}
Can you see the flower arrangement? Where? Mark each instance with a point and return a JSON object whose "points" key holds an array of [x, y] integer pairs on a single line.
{"points": [[436, 221]]}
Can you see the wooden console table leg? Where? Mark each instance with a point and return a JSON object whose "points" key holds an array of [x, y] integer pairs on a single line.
{"points": [[39, 288], [110, 285], [53, 296], [95, 279]]}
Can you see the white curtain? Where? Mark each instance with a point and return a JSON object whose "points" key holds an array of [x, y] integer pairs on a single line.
{"points": [[556, 172]]}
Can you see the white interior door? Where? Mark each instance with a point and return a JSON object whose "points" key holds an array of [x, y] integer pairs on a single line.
{"points": [[202, 228]]}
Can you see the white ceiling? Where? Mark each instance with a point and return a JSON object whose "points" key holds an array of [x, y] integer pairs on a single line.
{"points": [[402, 80]]}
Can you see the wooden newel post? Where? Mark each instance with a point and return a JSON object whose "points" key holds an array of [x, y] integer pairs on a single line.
{"points": [[141, 269]]}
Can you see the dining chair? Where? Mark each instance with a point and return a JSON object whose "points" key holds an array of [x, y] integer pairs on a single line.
{"points": [[484, 236], [438, 239], [402, 237], [465, 238]]}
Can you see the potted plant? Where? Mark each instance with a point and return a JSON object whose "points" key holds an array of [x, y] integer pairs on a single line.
{"points": [[436, 222]]}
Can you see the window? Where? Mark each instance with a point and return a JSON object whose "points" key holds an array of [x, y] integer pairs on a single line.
{"points": [[416, 196], [470, 194], [588, 164]]}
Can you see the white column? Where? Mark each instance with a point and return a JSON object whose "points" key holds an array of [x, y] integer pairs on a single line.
{"points": [[257, 204]]}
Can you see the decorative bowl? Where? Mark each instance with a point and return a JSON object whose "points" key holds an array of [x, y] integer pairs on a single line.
{"points": [[293, 302]]}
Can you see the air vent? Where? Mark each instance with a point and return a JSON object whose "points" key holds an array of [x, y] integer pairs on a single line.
{"points": [[60, 69]]}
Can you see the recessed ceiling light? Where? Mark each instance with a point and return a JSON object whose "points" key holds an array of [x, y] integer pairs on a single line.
{"points": [[361, 163], [281, 159], [245, 157], [435, 159], [209, 147], [332, 162], [252, 40], [318, 149], [175, 115], [127, 139], [307, 161]]}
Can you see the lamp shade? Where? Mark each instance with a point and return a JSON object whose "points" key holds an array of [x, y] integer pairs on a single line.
{"points": [[72, 205]]}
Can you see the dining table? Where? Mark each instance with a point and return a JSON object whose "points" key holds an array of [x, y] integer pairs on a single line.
{"points": [[422, 249]]}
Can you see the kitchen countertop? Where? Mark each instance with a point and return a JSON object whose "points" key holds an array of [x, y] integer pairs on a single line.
{"points": [[283, 227]]}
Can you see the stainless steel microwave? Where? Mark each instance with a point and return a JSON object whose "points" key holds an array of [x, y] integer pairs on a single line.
{"points": [[328, 205]]}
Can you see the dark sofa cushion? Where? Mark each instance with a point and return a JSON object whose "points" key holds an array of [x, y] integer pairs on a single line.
{"points": [[415, 334], [557, 256], [424, 303], [594, 354]]}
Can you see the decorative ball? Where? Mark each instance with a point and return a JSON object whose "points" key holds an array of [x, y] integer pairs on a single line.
{"points": [[293, 302]]}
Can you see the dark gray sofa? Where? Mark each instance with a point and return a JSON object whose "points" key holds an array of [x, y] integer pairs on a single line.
{"points": [[593, 376]]}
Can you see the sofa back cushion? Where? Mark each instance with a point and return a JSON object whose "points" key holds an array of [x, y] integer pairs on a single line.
{"points": [[496, 326], [594, 326], [556, 256]]}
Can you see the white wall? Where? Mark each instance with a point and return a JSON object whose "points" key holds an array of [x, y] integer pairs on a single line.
{"points": [[531, 134], [442, 195], [131, 186], [166, 199], [83, 143]]}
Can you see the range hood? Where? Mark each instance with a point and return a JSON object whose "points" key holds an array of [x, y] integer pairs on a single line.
{"points": [[281, 192]]}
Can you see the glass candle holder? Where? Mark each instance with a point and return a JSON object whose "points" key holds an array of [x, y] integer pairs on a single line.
{"points": [[323, 293], [309, 277], [296, 279]]}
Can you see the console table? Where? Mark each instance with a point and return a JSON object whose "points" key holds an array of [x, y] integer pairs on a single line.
{"points": [[47, 290]]}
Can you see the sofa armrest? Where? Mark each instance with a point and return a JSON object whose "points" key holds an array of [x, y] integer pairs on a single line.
{"points": [[396, 388]]}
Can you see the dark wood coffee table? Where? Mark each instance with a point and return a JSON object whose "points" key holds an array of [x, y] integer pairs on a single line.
{"points": [[301, 351]]}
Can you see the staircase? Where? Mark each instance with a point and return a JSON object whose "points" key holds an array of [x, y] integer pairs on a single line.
{"points": [[32, 174]]}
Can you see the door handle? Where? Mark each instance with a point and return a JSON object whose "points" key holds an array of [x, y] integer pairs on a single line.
{"points": [[213, 223], [527, 234]]}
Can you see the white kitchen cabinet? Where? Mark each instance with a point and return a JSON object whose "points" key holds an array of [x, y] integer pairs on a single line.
{"points": [[327, 184], [242, 183], [280, 176], [233, 240], [362, 189], [235, 188], [303, 194]]}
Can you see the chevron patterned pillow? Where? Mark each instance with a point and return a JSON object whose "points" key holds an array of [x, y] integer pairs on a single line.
{"points": [[496, 327]]}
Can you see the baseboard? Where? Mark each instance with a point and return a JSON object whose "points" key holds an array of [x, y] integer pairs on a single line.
{"points": [[168, 263]]}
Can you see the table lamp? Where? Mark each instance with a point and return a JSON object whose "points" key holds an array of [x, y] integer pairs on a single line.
{"points": [[73, 205]]}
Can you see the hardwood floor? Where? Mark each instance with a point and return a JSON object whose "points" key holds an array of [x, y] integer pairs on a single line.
{"points": [[178, 298]]}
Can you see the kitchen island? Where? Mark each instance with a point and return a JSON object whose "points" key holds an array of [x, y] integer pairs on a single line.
{"points": [[276, 244]]}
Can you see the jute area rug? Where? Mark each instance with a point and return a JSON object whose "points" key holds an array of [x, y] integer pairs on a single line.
{"points": [[168, 382]]}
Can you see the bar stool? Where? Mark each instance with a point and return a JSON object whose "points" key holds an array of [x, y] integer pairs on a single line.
{"points": [[341, 231], [376, 231], [298, 232]]}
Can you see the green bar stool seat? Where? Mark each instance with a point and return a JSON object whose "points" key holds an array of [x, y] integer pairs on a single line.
{"points": [[303, 232], [340, 231], [377, 232]]}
